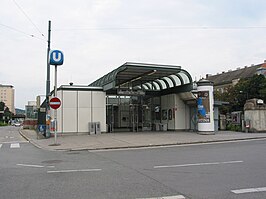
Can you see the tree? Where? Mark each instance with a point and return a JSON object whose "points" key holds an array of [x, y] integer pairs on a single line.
{"points": [[254, 87], [4, 111]]}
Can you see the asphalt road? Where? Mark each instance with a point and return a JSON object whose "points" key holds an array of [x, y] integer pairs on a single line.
{"points": [[210, 171]]}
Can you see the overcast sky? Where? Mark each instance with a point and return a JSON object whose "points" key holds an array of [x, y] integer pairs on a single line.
{"points": [[97, 36]]}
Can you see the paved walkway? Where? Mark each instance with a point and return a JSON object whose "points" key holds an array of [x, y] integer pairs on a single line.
{"points": [[132, 140]]}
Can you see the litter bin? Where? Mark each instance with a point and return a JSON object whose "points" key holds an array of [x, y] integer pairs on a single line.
{"points": [[247, 126], [164, 127], [98, 127]]}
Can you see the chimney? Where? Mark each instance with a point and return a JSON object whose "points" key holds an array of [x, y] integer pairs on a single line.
{"points": [[71, 83]]}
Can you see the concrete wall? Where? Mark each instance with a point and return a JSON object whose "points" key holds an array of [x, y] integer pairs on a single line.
{"points": [[180, 112], [257, 120], [79, 108], [255, 112]]}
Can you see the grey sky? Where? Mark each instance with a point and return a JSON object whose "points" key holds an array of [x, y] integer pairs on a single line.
{"points": [[97, 36]]}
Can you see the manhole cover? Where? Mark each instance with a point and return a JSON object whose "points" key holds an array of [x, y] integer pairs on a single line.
{"points": [[52, 161]]}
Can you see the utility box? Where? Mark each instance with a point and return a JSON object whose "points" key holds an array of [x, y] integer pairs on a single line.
{"points": [[98, 127], [92, 128]]}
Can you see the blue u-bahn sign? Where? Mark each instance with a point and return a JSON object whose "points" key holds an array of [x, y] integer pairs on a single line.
{"points": [[56, 57]]}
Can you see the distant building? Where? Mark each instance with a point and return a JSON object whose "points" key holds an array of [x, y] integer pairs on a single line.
{"points": [[31, 110], [7, 95], [221, 81]]}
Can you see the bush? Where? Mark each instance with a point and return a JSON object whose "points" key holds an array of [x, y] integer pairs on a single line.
{"points": [[233, 127], [3, 124]]}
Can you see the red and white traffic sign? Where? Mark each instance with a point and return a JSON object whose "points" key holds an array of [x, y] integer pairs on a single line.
{"points": [[55, 103]]}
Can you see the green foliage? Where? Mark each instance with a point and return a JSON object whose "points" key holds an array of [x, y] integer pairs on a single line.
{"points": [[233, 127], [254, 87], [2, 106], [7, 114], [3, 124]]}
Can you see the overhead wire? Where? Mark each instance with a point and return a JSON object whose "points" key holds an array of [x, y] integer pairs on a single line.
{"points": [[22, 32], [25, 14], [163, 27]]}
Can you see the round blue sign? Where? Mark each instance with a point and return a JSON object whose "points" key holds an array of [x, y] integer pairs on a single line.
{"points": [[56, 57]]}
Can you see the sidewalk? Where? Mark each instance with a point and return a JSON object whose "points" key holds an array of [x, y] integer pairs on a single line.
{"points": [[132, 140]]}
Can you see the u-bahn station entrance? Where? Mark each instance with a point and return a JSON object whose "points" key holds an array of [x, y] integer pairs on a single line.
{"points": [[135, 97]]}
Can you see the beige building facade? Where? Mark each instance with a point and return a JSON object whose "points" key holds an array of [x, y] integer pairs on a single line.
{"points": [[7, 95]]}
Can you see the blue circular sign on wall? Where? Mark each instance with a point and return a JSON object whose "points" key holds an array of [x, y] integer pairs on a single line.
{"points": [[56, 57]]}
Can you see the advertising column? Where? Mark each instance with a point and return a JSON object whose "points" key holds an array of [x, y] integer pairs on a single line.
{"points": [[205, 106]]}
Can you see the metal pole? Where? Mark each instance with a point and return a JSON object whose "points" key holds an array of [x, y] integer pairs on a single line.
{"points": [[55, 111], [47, 108]]}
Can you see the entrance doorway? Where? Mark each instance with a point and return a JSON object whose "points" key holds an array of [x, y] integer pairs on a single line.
{"points": [[130, 113]]}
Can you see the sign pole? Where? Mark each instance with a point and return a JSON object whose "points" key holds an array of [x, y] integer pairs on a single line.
{"points": [[55, 111], [56, 59]]}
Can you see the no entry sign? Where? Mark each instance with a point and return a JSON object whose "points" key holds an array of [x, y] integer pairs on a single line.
{"points": [[55, 103]]}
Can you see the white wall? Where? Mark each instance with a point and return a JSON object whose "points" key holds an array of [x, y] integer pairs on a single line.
{"points": [[180, 111], [84, 110], [99, 108], [69, 106], [79, 108]]}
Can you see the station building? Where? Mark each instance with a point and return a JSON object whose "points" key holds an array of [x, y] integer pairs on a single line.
{"points": [[134, 97]]}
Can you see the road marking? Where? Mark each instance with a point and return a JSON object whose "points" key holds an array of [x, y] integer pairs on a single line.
{"points": [[249, 190], [35, 165], [1, 145], [197, 164], [30, 165], [69, 171], [12, 142], [167, 197], [15, 145]]}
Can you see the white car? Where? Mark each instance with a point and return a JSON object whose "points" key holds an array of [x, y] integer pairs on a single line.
{"points": [[17, 124]]}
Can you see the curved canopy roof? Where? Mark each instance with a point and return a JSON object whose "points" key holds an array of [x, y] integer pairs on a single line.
{"points": [[150, 77]]}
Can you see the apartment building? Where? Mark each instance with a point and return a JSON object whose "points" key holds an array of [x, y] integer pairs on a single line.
{"points": [[221, 81], [7, 95]]}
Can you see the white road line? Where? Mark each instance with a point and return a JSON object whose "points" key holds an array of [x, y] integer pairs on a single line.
{"points": [[15, 145], [249, 190], [35, 165], [167, 197], [69, 171], [12, 142], [197, 164], [30, 165], [1, 145]]}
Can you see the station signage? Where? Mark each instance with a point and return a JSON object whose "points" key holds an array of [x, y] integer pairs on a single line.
{"points": [[130, 92], [56, 57]]}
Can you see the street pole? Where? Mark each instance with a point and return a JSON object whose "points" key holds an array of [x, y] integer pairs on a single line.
{"points": [[47, 108]]}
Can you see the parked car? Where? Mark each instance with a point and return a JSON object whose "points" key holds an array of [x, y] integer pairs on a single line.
{"points": [[17, 124]]}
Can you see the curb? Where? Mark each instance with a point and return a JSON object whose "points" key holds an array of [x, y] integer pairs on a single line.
{"points": [[137, 147], [33, 143], [161, 145]]}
